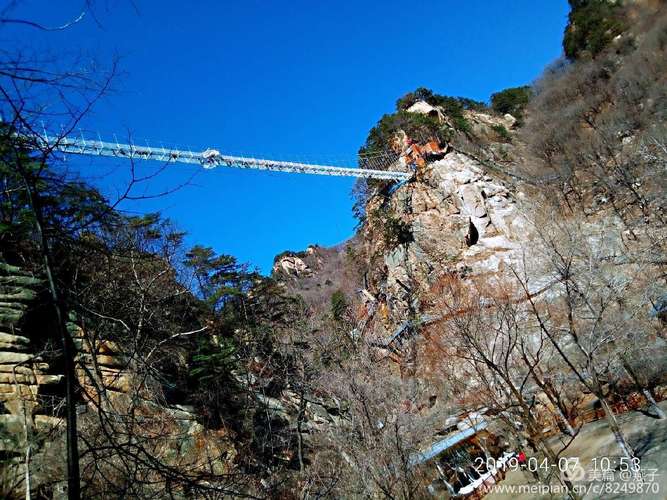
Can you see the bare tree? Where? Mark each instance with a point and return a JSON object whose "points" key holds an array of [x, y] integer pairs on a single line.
{"points": [[499, 352]]}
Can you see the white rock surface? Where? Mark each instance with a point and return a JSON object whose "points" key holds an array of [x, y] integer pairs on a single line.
{"points": [[291, 264]]}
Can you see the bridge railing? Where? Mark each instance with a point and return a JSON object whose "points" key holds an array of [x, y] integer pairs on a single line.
{"points": [[208, 159]]}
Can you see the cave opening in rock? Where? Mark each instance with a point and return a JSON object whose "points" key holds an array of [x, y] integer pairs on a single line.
{"points": [[473, 235]]}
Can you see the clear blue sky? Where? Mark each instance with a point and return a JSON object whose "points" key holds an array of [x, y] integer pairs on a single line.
{"points": [[294, 79]]}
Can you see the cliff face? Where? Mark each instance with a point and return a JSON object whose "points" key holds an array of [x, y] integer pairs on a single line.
{"points": [[28, 380], [461, 220], [367, 366], [32, 421], [25, 373], [462, 213]]}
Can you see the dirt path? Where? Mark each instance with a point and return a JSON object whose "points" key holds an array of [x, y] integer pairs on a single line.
{"points": [[647, 435]]}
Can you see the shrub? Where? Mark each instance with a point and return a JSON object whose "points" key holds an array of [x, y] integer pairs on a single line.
{"points": [[461, 124], [416, 125], [419, 127], [581, 114], [502, 132], [396, 232], [512, 100], [450, 105], [285, 253], [338, 304], [472, 104]]}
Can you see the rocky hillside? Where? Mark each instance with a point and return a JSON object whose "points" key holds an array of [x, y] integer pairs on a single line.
{"points": [[318, 272], [514, 285], [521, 269]]}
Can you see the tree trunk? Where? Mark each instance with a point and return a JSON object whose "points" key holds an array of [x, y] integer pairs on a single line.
{"points": [[653, 405], [535, 433], [553, 459], [299, 436], [650, 400], [569, 430], [555, 402], [622, 443], [73, 474], [443, 478], [27, 472]]}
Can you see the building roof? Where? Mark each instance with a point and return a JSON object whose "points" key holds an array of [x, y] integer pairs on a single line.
{"points": [[444, 444]]}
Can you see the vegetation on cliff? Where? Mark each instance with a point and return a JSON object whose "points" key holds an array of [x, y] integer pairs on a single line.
{"points": [[592, 25], [512, 100], [420, 127], [174, 317]]}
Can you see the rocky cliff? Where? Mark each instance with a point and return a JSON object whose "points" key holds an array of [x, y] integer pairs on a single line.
{"points": [[112, 398], [461, 218], [28, 381]]}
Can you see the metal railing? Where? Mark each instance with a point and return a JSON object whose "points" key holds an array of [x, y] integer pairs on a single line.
{"points": [[208, 159]]}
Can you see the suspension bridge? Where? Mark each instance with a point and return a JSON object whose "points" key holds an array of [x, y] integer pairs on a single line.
{"points": [[212, 158]]}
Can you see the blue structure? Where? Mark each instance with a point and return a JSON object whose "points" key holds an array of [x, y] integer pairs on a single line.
{"points": [[443, 445], [398, 185], [660, 307]]}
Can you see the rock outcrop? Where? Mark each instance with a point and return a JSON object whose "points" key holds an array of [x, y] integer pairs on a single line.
{"points": [[461, 219], [27, 381], [24, 374], [32, 424], [291, 265]]}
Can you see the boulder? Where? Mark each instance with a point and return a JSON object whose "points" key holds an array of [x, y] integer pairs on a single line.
{"points": [[424, 108], [23, 390], [49, 379], [317, 413], [28, 368], [108, 347], [120, 383], [110, 361], [510, 121], [46, 423], [13, 432]]}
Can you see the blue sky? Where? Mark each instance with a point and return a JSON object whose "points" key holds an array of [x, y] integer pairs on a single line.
{"points": [[298, 79]]}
